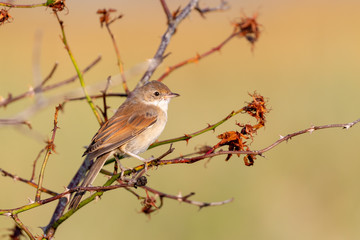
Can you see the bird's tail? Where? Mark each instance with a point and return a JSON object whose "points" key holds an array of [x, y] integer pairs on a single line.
{"points": [[89, 179]]}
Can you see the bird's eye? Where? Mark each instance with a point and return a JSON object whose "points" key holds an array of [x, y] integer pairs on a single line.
{"points": [[156, 93]]}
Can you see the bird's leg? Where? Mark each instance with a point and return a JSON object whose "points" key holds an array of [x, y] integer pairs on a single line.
{"points": [[118, 163], [138, 157]]}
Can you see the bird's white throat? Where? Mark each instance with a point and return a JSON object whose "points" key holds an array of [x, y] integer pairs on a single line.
{"points": [[162, 104]]}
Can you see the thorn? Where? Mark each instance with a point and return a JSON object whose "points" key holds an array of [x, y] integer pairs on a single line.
{"points": [[43, 229], [30, 201], [180, 197], [31, 90], [188, 138], [15, 178], [7, 214], [281, 137], [310, 130]]}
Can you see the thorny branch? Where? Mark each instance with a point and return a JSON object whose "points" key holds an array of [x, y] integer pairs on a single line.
{"points": [[50, 147], [247, 27], [105, 19], [20, 224], [29, 182], [165, 40], [150, 202]]}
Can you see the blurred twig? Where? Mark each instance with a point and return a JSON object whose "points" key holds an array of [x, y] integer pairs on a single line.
{"points": [[222, 6], [105, 19], [42, 88], [247, 27]]}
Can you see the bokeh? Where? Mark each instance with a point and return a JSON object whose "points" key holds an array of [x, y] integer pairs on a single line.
{"points": [[306, 63]]}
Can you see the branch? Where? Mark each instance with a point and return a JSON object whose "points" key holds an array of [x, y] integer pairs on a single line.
{"points": [[56, 5], [11, 5], [247, 27], [29, 182], [168, 14], [80, 75], [14, 122], [41, 88], [50, 148], [185, 199], [165, 40], [22, 226], [98, 96], [256, 152], [222, 6], [188, 136], [105, 18]]}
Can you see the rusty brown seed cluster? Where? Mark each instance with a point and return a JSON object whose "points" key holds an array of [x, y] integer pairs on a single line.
{"points": [[248, 27], [105, 16], [4, 16], [57, 5], [236, 141]]}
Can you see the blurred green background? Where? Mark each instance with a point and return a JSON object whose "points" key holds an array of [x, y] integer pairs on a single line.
{"points": [[306, 63]]}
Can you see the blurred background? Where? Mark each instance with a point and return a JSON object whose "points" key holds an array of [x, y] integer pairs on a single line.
{"points": [[306, 63]]}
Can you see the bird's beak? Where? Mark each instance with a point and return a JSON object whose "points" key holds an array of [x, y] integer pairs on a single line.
{"points": [[172, 95]]}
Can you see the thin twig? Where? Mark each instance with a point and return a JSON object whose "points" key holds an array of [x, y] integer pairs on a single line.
{"points": [[165, 40], [166, 10], [29, 182], [11, 5], [222, 7], [49, 149], [185, 199], [80, 75], [22, 226], [12, 121], [188, 136], [104, 112], [34, 164], [117, 52], [198, 56], [40, 88], [48, 77], [99, 96]]}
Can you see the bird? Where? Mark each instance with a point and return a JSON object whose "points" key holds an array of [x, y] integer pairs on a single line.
{"points": [[136, 124]]}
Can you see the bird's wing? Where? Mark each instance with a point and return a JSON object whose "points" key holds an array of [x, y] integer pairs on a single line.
{"points": [[120, 129]]}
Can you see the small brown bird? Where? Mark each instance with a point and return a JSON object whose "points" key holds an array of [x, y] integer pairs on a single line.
{"points": [[137, 123]]}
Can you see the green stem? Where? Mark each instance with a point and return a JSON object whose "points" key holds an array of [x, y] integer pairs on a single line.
{"points": [[78, 71], [22, 226], [41, 175], [187, 137], [24, 5]]}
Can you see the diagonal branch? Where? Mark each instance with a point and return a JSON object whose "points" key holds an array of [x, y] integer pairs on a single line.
{"points": [[165, 40], [41, 88]]}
